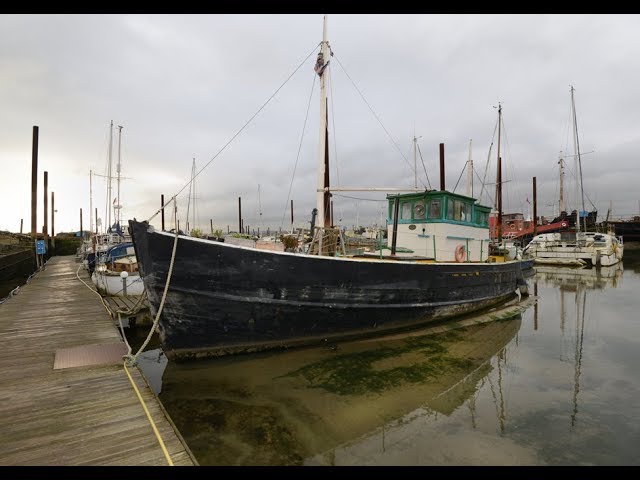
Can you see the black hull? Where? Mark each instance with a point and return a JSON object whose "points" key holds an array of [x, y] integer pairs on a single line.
{"points": [[227, 299], [628, 230]]}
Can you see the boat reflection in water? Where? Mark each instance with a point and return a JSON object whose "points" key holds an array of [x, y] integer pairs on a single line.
{"points": [[476, 419], [571, 279], [575, 283], [301, 406]]}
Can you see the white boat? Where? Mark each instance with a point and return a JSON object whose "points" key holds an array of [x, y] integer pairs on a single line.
{"points": [[575, 249], [98, 244], [579, 247], [117, 274]]}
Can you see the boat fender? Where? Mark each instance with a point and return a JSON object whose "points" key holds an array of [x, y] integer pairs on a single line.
{"points": [[460, 253]]}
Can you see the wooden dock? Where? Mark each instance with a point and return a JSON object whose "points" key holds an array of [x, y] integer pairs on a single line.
{"points": [[83, 415]]}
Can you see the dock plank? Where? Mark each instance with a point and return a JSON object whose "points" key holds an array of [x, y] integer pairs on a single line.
{"points": [[85, 415]]}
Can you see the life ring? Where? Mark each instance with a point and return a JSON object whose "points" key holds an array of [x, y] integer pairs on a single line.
{"points": [[564, 224], [460, 253], [512, 226]]}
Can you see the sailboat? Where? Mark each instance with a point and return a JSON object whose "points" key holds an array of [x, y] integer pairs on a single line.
{"points": [[116, 266], [211, 298], [579, 247], [510, 232]]}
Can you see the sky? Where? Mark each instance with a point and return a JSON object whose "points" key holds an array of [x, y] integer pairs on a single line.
{"points": [[200, 89]]}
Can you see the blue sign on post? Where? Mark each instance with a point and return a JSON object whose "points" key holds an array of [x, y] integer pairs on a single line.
{"points": [[40, 248]]}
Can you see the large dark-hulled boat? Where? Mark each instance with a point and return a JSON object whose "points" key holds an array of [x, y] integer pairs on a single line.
{"points": [[218, 298], [225, 298], [628, 229]]}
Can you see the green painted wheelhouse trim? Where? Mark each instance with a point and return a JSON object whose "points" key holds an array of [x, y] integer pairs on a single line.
{"points": [[431, 214]]}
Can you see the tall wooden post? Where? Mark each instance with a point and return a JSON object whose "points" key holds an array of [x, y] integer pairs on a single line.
{"points": [[96, 221], [239, 214], [162, 210], [53, 216], [211, 221], [34, 182], [21, 225], [81, 234], [46, 213]]}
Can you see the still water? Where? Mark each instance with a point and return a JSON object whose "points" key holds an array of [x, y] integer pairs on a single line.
{"points": [[558, 384]]}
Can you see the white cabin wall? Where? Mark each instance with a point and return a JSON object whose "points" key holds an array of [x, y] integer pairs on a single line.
{"points": [[422, 243]]}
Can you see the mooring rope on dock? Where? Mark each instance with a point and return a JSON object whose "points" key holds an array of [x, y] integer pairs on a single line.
{"points": [[126, 359], [153, 425], [132, 360], [94, 291]]}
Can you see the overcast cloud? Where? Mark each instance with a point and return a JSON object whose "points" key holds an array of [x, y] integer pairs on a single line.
{"points": [[182, 86]]}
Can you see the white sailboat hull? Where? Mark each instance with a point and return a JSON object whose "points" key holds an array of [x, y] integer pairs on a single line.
{"points": [[110, 283], [600, 250]]}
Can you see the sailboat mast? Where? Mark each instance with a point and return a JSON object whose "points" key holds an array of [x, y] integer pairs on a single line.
{"points": [[323, 195], [469, 173], [561, 201], [499, 179], [193, 191], [190, 194], [117, 206], [108, 212], [498, 186], [90, 202], [576, 144], [415, 161], [259, 206]]}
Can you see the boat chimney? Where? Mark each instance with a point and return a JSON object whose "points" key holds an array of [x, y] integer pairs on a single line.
{"points": [[162, 210], [442, 166]]}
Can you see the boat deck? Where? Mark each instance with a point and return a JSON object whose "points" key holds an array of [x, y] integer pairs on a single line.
{"points": [[65, 396]]}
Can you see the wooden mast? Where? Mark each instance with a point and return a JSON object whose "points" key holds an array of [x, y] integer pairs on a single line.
{"points": [[118, 206], [499, 134], [323, 195], [469, 173], [499, 179], [108, 212], [576, 145], [561, 201]]}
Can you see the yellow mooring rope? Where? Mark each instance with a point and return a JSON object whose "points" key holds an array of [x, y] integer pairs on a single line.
{"points": [[153, 425]]}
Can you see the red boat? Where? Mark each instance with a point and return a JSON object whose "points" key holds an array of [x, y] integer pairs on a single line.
{"points": [[515, 227]]}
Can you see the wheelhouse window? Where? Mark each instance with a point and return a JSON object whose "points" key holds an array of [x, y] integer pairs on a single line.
{"points": [[458, 210], [405, 211], [418, 210], [434, 209], [482, 218]]}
